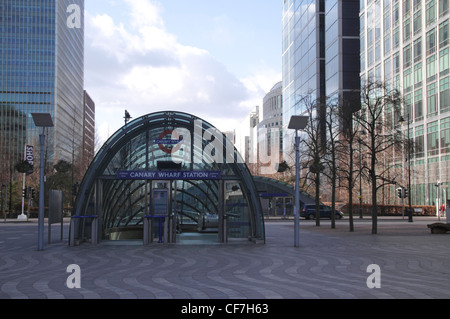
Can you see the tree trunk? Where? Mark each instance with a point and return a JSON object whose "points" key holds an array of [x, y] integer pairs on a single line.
{"points": [[374, 197], [350, 190], [333, 198], [317, 199]]}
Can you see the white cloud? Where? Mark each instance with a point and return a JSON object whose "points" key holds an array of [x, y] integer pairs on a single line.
{"points": [[142, 68]]}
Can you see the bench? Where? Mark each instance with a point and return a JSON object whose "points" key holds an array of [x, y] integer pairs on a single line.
{"points": [[439, 228]]}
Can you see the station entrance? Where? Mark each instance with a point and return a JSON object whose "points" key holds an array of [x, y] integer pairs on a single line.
{"points": [[178, 211], [167, 177]]}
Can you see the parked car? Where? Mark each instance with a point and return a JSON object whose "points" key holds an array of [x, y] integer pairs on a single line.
{"points": [[309, 212]]}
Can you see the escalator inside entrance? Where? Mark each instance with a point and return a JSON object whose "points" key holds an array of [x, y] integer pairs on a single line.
{"points": [[195, 211], [173, 211]]}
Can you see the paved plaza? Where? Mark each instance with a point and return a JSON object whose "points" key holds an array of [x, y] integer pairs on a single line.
{"points": [[331, 263]]}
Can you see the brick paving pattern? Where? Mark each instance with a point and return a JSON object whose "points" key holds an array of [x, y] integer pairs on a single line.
{"points": [[331, 263]]}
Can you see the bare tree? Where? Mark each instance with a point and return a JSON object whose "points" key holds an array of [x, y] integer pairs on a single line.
{"points": [[314, 144], [334, 131], [380, 135]]}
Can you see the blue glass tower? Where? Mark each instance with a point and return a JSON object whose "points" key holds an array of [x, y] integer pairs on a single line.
{"points": [[41, 70]]}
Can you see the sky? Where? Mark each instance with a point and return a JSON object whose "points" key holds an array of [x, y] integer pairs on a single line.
{"points": [[213, 59]]}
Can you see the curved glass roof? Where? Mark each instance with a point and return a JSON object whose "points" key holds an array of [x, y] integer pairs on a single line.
{"points": [[203, 170]]}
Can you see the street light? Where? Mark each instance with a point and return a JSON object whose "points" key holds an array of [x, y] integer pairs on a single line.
{"points": [[41, 120], [410, 218], [297, 123]]}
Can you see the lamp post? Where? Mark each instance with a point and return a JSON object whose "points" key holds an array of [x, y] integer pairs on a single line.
{"points": [[297, 123], [410, 217], [41, 120]]}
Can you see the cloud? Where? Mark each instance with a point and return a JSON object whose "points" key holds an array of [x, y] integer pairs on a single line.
{"points": [[138, 66]]}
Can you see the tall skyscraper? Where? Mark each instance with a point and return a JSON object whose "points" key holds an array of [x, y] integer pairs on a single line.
{"points": [[270, 139], [342, 43], [303, 54], [406, 44], [320, 54], [41, 71], [88, 149]]}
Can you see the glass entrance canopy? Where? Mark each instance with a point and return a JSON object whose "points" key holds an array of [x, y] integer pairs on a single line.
{"points": [[177, 172]]}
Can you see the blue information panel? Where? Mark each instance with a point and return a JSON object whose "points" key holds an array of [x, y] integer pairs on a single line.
{"points": [[161, 202], [168, 175]]}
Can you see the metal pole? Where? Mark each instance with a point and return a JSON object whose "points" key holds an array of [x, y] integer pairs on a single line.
{"points": [[22, 216], [6, 202], [403, 203], [41, 195], [410, 217], [360, 181], [297, 190]]}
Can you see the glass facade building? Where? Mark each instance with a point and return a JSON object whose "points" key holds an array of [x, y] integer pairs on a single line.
{"points": [[303, 54], [406, 45], [41, 71], [320, 47]]}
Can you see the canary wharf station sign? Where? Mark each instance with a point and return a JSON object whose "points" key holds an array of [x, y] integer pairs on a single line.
{"points": [[168, 175]]}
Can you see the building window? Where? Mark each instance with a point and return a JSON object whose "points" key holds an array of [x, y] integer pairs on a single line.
{"points": [[407, 30], [406, 8], [444, 95], [387, 44], [407, 79], [418, 74], [443, 7], [407, 56], [443, 34], [418, 105], [431, 41], [433, 138], [445, 135], [417, 22], [416, 4], [418, 50], [396, 38], [419, 142], [432, 99], [396, 62], [395, 14], [431, 68], [443, 62], [430, 12]]}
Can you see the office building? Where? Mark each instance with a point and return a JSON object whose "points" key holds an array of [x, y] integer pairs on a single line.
{"points": [[41, 71], [88, 149], [246, 137], [320, 47], [270, 139], [406, 45]]}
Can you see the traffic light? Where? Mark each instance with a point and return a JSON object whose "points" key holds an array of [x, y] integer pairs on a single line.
{"points": [[33, 193], [401, 192], [24, 193], [406, 193]]}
